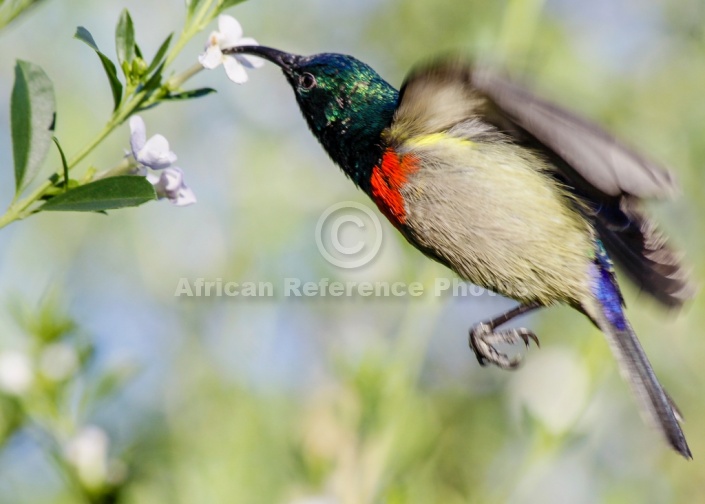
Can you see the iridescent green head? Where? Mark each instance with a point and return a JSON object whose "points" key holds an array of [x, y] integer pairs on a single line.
{"points": [[346, 103]]}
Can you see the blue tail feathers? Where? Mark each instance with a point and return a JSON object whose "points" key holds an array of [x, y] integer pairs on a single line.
{"points": [[606, 290]]}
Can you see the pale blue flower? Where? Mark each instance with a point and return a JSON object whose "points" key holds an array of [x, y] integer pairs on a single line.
{"points": [[169, 183], [153, 153], [156, 163]]}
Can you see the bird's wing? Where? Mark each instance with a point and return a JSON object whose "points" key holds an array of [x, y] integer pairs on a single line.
{"points": [[439, 95], [603, 170], [598, 158], [433, 99]]}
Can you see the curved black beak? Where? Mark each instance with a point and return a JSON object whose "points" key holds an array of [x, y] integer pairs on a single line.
{"points": [[280, 58]]}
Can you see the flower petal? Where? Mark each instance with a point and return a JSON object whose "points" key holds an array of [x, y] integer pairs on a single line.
{"points": [[159, 181], [172, 179], [184, 197], [247, 41], [211, 58], [230, 30], [247, 60], [156, 154], [151, 177], [16, 373], [140, 170], [235, 71], [170, 185], [138, 134], [88, 453]]}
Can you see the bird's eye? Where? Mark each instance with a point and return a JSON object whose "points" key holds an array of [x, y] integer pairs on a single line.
{"points": [[307, 81]]}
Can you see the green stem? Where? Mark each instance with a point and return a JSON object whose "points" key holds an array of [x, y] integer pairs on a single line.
{"points": [[124, 167], [21, 208], [178, 80], [195, 26]]}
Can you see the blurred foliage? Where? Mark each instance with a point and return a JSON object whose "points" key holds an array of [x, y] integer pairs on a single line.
{"points": [[313, 401], [11, 9]]}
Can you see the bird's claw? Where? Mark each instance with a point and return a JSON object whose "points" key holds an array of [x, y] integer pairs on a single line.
{"points": [[482, 340]]}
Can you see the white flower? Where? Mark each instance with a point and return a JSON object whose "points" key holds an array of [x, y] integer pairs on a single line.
{"points": [[557, 404], [16, 374], [170, 184], [154, 154], [229, 34], [88, 452]]}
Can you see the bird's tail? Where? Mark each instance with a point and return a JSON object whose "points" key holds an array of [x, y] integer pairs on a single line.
{"points": [[607, 313]]}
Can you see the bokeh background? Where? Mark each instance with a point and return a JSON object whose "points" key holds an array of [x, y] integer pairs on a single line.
{"points": [[326, 401]]}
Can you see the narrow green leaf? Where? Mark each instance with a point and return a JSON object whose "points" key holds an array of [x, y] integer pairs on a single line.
{"points": [[103, 194], [109, 67], [64, 164], [226, 4], [32, 116], [155, 80], [140, 108], [192, 93], [125, 38], [115, 84], [159, 56], [84, 35], [113, 380]]}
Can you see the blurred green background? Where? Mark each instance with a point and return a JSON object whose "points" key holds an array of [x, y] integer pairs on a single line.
{"points": [[347, 400]]}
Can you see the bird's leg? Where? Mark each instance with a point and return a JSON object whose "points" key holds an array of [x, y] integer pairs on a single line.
{"points": [[483, 336]]}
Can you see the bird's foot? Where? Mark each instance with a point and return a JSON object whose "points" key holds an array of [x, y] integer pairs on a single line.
{"points": [[483, 338]]}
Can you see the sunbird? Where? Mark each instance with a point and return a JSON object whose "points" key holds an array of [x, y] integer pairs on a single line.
{"points": [[509, 191]]}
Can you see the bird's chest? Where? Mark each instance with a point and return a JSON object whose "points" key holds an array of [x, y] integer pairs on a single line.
{"points": [[387, 183]]}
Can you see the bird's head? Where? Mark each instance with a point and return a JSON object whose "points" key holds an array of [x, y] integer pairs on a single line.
{"points": [[346, 103]]}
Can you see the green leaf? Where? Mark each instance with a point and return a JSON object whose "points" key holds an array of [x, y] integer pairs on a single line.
{"points": [[155, 80], [32, 114], [125, 39], [84, 35], [64, 164], [103, 194], [192, 93], [115, 85], [114, 380], [55, 189], [160, 54], [226, 4]]}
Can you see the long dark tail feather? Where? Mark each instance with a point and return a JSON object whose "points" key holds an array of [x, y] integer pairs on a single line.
{"points": [[644, 254], [606, 311], [653, 399]]}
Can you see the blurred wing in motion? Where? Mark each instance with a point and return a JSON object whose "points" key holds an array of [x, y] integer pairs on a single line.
{"points": [[608, 174], [594, 156]]}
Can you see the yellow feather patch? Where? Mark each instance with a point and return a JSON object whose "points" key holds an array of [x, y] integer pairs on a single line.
{"points": [[433, 139]]}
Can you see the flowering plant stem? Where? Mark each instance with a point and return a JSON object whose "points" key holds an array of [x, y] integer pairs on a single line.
{"points": [[23, 207]]}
